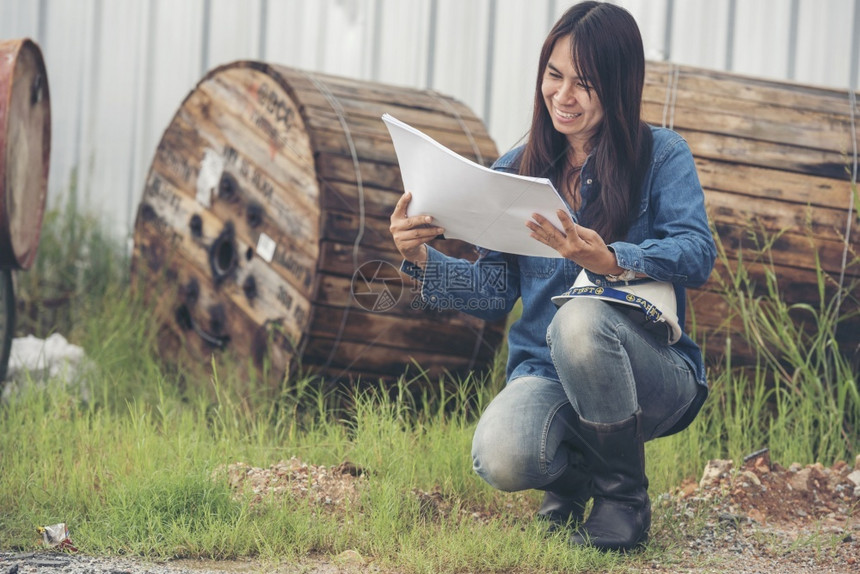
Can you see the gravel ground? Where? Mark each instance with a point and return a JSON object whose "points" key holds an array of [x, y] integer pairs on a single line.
{"points": [[45, 562]]}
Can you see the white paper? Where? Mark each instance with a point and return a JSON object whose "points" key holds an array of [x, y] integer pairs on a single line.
{"points": [[208, 177], [473, 203], [266, 247]]}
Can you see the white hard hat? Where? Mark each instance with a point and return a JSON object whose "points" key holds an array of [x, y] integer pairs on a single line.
{"points": [[654, 298]]}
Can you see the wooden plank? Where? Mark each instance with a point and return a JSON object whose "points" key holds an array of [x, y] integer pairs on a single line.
{"points": [[374, 144], [789, 249], [343, 169], [445, 120], [795, 285], [343, 258], [383, 361], [374, 201], [775, 216], [345, 88], [788, 187], [343, 227], [752, 89], [766, 154], [423, 332], [760, 122]]}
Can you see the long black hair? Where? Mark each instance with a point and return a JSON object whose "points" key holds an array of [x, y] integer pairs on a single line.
{"points": [[607, 52]]}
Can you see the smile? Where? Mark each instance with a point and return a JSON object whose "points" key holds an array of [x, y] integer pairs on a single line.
{"points": [[565, 116]]}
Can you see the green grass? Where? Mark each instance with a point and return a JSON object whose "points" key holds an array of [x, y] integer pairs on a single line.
{"points": [[131, 469]]}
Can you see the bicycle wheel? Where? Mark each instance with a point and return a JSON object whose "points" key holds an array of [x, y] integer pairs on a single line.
{"points": [[7, 320]]}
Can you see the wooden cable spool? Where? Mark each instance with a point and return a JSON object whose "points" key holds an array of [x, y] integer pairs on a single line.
{"points": [[263, 227], [776, 161], [25, 147]]}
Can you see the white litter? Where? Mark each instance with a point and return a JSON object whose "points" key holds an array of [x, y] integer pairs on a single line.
{"points": [[34, 360]]}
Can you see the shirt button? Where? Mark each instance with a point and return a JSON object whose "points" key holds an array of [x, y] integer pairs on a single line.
{"points": [[588, 181]]}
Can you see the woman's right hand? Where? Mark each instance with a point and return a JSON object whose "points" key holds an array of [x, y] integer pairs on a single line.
{"points": [[412, 233]]}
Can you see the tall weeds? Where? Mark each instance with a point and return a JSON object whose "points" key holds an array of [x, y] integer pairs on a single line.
{"points": [[800, 397]]}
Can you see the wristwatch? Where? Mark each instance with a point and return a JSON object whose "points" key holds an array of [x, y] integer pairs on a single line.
{"points": [[626, 275]]}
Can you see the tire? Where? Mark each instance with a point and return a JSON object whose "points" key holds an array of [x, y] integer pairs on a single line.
{"points": [[7, 320]]}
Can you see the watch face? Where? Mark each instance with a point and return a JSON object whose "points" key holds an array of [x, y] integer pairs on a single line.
{"points": [[627, 275]]}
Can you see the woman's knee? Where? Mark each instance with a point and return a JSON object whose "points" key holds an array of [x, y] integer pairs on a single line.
{"points": [[579, 326], [510, 444], [502, 467]]}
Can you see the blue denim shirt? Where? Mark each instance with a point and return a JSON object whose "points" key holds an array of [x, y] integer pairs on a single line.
{"points": [[669, 241]]}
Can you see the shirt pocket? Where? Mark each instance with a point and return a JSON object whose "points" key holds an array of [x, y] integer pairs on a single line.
{"points": [[538, 267]]}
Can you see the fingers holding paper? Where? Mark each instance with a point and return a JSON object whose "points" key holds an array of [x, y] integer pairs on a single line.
{"points": [[411, 233], [579, 244]]}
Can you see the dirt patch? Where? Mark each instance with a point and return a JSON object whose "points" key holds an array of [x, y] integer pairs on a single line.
{"points": [[323, 487], [767, 493], [763, 517]]}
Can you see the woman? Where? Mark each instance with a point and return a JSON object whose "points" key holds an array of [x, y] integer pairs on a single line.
{"points": [[590, 381]]}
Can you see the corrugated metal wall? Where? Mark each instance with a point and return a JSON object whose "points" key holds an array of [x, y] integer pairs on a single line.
{"points": [[119, 69]]}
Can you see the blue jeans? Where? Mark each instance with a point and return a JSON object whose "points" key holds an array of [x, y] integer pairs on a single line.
{"points": [[611, 362]]}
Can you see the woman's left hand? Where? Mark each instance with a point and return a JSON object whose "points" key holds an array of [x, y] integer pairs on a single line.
{"points": [[579, 244]]}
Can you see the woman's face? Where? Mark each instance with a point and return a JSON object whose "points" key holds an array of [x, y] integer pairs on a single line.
{"points": [[575, 109]]}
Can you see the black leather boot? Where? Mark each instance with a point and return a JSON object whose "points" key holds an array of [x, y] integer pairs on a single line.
{"points": [[621, 515], [565, 498]]}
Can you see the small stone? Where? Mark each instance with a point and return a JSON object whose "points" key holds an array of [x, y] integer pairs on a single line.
{"points": [[752, 477], [688, 490], [761, 466], [757, 515], [800, 481], [854, 477], [714, 470], [350, 557]]}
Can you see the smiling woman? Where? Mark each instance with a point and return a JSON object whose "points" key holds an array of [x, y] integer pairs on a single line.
{"points": [[589, 380]]}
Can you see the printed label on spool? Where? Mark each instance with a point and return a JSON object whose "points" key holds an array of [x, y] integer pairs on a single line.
{"points": [[266, 247], [210, 174]]}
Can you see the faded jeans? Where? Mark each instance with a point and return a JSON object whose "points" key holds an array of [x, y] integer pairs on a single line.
{"points": [[611, 363]]}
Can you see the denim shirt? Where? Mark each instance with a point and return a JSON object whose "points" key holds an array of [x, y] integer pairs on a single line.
{"points": [[669, 241]]}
